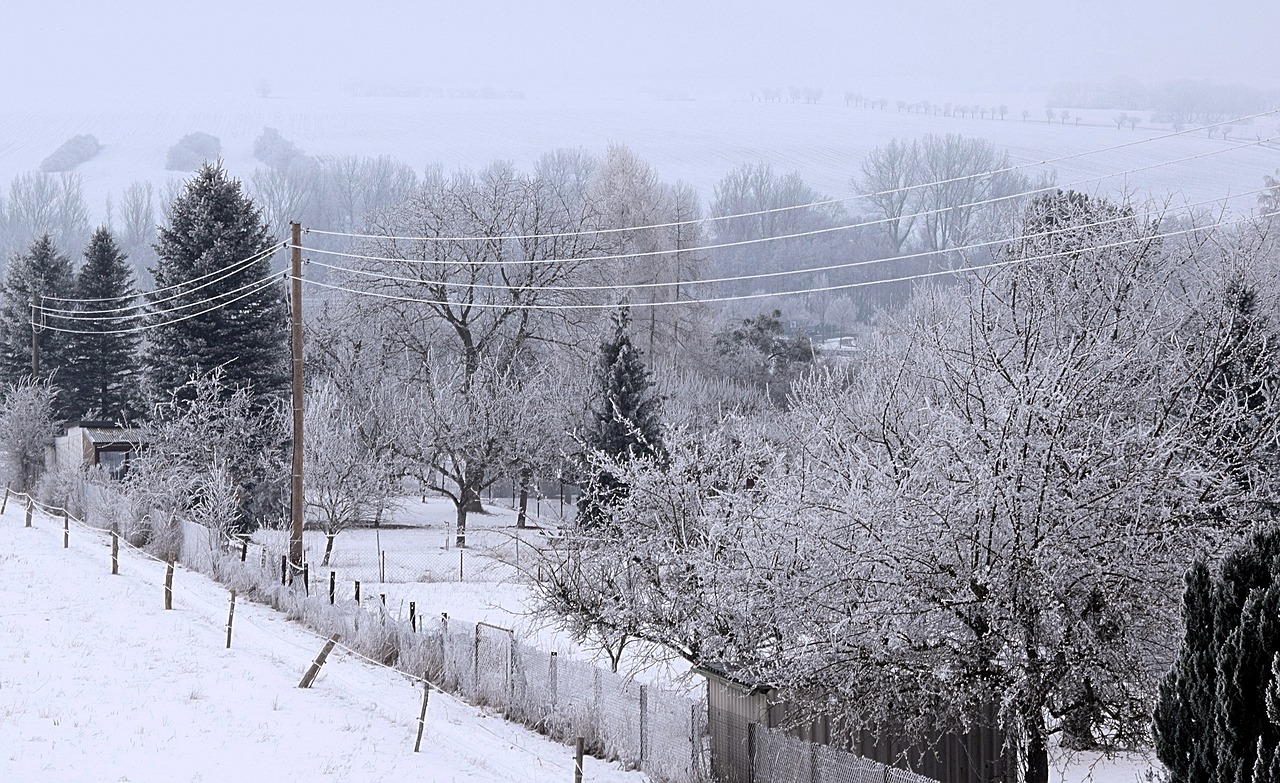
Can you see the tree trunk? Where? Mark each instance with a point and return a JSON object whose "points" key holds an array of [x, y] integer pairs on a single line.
{"points": [[460, 540], [522, 514], [328, 548], [1037, 761]]}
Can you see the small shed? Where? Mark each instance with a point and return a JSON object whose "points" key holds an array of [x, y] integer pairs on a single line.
{"points": [[736, 710], [96, 444]]}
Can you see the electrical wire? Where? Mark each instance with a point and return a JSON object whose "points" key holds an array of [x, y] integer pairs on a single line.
{"points": [[262, 284], [125, 297], [825, 202], [765, 275], [795, 235], [226, 272], [767, 294], [78, 316]]}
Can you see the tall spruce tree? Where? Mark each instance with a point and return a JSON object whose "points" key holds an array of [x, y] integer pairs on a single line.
{"points": [[1184, 716], [35, 277], [1212, 722], [625, 425], [214, 251], [104, 382]]}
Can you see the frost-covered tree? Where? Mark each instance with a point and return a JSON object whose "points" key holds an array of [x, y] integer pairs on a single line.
{"points": [[207, 435], [624, 426], [103, 379], [995, 509], [889, 178], [350, 465], [467, 432], [467, 320], [26, 423], [219, 307]]}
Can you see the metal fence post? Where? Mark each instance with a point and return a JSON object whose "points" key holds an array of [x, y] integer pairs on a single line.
{"points": [[552, 680], [644, 723], [751, 752]]}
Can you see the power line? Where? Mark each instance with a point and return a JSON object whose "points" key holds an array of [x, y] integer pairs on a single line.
{"points": [[796, 235], [126, 297], [767, 294], [231, 271], [825, 202], [77, 316], [262, 285], [766, 275]]}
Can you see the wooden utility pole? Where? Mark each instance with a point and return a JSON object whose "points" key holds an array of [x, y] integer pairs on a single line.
{"points": [[295, 300], [35, 337]]}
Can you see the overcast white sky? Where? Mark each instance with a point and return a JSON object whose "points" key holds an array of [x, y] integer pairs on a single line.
{"points": [[137, 45]]}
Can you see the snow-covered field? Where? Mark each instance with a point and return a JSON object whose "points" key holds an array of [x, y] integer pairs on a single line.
{"points": [[697, 141], [99, 682]]}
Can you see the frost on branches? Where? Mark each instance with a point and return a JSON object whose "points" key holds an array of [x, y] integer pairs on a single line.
{"points": [[994, 507]]}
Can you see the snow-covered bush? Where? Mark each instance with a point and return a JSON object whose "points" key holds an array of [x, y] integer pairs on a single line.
{"points": [[275, 150], [191, 152], [71, 153], [26, 422]]}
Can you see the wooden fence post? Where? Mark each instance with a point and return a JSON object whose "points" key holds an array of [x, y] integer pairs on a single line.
{"points": [[244, 550], [333, 587], [66, 529], [577, 760], [30, 508], [422, 716], [382, 566], [314, 669], [357, 592], [231, 616], [284, 570], [115, 550], [413, 616], [461, 578], [168, 584], [306, 579], [5, 503]]}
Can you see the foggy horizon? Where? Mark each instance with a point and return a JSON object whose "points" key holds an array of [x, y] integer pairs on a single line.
{"points": [[142, 48]]}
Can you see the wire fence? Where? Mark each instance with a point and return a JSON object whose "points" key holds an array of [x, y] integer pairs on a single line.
{"points": [[660, 733], [666, 735]]}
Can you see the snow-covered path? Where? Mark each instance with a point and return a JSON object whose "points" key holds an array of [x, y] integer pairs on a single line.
{"points": [[99, 682]]}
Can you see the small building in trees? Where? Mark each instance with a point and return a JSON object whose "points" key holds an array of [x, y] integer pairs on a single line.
{"points": [[752, 730], [95, 444]]}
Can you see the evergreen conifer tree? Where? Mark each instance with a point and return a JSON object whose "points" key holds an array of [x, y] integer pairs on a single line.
{"points": [[1228, 663], [216, 244], [104, 381], [1185, 709], [35, 277], [624, 421]]}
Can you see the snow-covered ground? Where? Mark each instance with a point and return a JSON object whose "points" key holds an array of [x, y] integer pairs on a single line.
{"points": [[697, 141], [422, 566], [99, 682]]}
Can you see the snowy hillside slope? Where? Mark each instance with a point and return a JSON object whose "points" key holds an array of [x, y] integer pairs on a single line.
{"points": [[99, 682], [696, 141]]}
